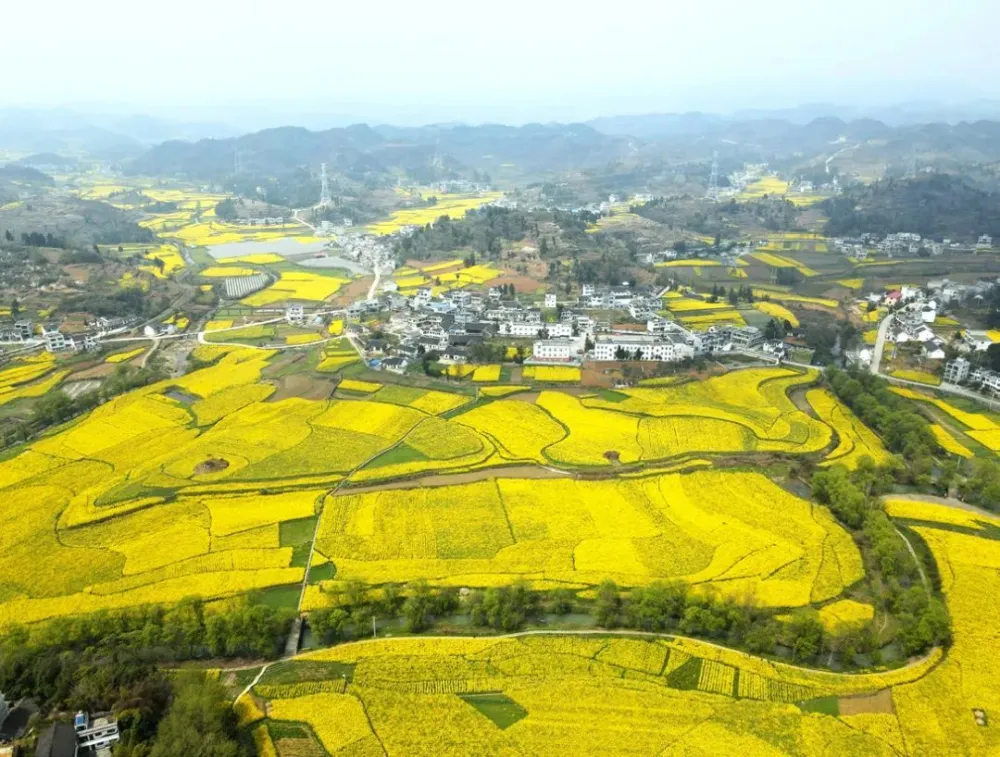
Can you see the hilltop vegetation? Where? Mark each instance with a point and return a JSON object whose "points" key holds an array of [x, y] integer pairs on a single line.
{"points": [[936, 206]]}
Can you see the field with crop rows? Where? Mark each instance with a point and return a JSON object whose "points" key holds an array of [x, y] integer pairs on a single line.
{"points": [[593, 695], [182, 488], [737, 531]]}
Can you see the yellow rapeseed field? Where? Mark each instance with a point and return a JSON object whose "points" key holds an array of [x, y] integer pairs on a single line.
{"points": [[296, 285], [355, 385], [780, 312], [581, 696], [551, 373], [856, 440], [122, 357], [948, 442], [705, 527], [921, 377], [455, 206]]}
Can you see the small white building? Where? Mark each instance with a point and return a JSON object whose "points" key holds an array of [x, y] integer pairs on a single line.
{"points": [[956, 371], [94, 735], [552, 349], [54, 340], [550, 300], [295, 314]]}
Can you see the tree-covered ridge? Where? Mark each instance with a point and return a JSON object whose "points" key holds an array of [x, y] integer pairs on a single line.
{"points": [[936, 206]]}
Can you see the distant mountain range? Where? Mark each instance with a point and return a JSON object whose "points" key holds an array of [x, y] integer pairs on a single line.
{"points": [[799, 140], [538, 151]]}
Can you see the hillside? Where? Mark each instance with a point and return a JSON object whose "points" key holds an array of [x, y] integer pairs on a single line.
{"points": [[938, 206]]}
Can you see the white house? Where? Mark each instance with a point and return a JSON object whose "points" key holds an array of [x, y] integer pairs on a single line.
{"points": [[956, 371], [552, 349], [54, 340], [642, 347], [550, 301]]}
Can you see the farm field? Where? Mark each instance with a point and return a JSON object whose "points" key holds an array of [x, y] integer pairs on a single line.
{"points": [[704, 527], [452, 205], [158, 492], [670, 695], [977, 426]]}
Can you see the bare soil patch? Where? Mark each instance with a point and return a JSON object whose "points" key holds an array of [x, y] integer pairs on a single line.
{"points": [[212, 465], [303, 385], [798, 398], [592, 378], [79, 273], [99, 371], [878, 703], [352, 291], [524, 284], [530, 397]]}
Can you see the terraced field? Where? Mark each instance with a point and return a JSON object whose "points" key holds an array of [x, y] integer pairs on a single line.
{"points": [[160, 498], [646, 695]]}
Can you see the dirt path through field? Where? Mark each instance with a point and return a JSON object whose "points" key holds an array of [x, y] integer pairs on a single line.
{"points": [[451, 479]]}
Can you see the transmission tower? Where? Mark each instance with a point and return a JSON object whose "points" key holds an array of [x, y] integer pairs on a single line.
{"points": [[713, 179], [324, 191]]}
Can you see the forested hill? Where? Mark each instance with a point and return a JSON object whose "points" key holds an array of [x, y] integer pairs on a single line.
{"points": [[366, 154], [937, 206]]}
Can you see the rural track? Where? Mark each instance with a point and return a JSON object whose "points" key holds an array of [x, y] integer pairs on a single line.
{"points": [[542, 632]]}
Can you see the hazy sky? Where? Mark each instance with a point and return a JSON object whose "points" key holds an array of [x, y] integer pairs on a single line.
{"points": [[514, 61]]}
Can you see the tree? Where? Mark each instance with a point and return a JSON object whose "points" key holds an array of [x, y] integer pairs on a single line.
{"points": [[199, 723], [993, 356], [417, 607], [805, 636], [8, 236], [15, 308], [608, 606]]}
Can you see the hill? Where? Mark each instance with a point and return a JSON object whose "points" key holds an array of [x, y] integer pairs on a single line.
{"points": [[938, 206]]}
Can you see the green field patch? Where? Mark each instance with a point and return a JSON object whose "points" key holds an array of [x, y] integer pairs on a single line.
{"points": [[399, 395], [401, 453], [307, 670], [325, 572], [285, 729], [822, 705], [611, 396], [686, 676], [499, 708], [130, 490], [277, 597], [292, 533]]}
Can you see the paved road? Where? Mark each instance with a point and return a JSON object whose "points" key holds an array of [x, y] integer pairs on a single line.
{"points": [[883, 332]]}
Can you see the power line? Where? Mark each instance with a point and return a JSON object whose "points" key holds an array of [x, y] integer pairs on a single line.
{"points": [[324, 191], [713, 179]]}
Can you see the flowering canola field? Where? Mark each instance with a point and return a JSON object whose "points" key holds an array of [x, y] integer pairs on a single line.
{"points": [[587, 694], [737, 531], [180, 488], [579, 695]]}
